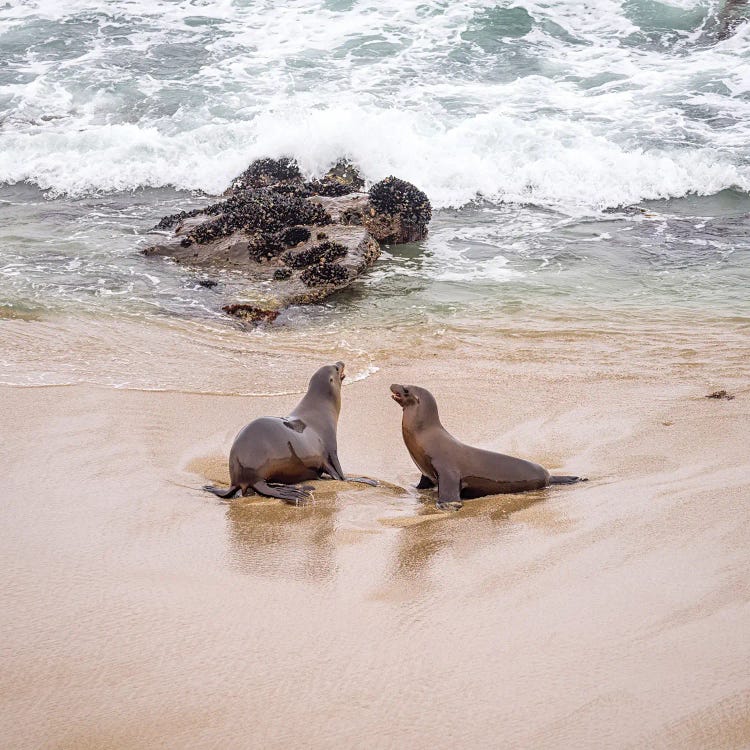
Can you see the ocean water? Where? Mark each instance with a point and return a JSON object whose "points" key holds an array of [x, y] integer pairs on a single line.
{"points": [[589, 163]]}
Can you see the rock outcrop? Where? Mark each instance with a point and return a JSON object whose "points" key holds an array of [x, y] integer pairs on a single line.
{"points": [[287, 241]]}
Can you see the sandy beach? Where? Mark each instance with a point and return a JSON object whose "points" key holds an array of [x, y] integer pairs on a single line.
{"points": [[140, 612], [560, 195]]}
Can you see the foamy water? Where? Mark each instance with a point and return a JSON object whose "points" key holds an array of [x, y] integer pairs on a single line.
{"points": [[587, 162], [559, 104]]}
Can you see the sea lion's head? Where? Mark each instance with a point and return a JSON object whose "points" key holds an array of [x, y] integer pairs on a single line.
{"points": [[419, 404], [406, 396], [327, 381]]}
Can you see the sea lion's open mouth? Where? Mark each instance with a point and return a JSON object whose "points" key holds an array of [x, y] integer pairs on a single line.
{"points": [[397, 394], [340, 366]]}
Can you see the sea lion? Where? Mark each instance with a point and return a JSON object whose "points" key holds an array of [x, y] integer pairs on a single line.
{"points": [[286, 450], [457, 469]]}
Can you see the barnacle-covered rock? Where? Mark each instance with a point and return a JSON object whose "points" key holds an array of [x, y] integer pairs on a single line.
{"points": [[167, 222], [399, 212], [284, 176], [262, 265], [266, 235], [344, 172]]}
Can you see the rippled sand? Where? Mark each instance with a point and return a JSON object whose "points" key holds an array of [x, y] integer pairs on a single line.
{"points": [[137, 611]]}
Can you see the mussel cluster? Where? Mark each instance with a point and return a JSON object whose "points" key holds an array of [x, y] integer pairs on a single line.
{"points": [[325, 252], [167, 222], [324, 273], [285, 177], [266, 172], [327, 187], [294, 235], [393, 196], [263, 210], [283, 273], [351, 217], [264, 246]]}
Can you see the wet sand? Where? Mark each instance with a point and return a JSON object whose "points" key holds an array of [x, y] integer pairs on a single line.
{"points": [[137, 611]]}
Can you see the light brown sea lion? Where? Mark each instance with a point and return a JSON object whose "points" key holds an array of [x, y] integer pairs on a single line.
{"points": [[271, 454], [457, 469]]}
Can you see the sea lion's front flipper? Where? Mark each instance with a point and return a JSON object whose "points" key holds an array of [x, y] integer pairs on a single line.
{"points": [[425, 483], [333, 469], [449, 490]]}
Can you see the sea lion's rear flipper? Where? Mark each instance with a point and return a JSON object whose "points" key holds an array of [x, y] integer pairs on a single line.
{"points": [[219, 492], [292, 494], [566, 480], [425, 483]]}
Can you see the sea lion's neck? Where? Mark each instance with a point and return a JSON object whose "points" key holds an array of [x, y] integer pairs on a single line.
{"points": [[424, 418], [320, 411]]}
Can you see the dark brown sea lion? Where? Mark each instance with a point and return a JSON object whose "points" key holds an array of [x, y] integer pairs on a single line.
{"points": [[457, 469], [272, 453]]}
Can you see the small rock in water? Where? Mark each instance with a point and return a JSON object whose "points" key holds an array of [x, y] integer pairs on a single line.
{"points": [[251, 314], [208, 283]]}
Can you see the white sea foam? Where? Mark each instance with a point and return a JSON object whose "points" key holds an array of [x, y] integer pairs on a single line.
{"points": [[577, 111]]}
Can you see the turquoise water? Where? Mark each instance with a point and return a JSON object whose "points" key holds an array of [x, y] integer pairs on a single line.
{"points": [[585, 162]]}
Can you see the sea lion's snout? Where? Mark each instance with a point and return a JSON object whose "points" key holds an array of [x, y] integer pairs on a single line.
{"points": [[398, 393], [340, 368]]}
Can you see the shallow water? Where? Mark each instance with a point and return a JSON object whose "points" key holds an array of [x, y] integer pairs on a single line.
{"points": [[81, 304]]}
